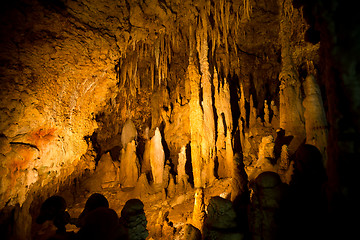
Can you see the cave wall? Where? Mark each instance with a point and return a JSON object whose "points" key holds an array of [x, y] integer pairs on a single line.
{"points": [[56, 75]]}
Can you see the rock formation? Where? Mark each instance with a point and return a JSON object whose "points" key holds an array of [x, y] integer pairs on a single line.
{"points": [[291, 111], [128, 133], [315, 118], [208, 131], [224, 126], [157, 157], [266, 158], [182, 177], [196, 118], [198, 216], [129, 166], [94, 92]]}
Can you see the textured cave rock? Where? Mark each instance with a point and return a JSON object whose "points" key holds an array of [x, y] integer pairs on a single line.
{"points": [[153, 99]]}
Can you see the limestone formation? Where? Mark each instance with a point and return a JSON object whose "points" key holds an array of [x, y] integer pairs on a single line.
{"points": [[182, 177], [224, 126], [266, 113], [166, 174], [157, 157], [199, 214], [129, 166], [105, 175], [196, 118], [239, 178], [108, 169], [253, 114], [266, 157], [145, 164], [285, 168], [275, 118], [208, 138], [315, 118], [242, 102], [80, 81], [291, 111], [128, 133]]}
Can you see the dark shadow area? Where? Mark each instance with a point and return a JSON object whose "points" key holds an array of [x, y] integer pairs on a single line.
{"points": [[188, 165], [304, 207], [281, 140]]}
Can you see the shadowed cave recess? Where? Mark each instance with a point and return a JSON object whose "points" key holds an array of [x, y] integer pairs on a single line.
{"points": [[169, 119]]}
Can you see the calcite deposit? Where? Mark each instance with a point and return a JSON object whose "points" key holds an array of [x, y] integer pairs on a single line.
{"points": [[174, 103]]}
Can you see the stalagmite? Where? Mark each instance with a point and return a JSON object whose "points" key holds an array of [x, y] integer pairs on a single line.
{"points": [[129, 166], [284, 158], [242, 104], [229, 155], [275, 117], [266, 113], [128, 133], [221, 147], [291, 110], [285, 170], [252, 117], [265, 157], [238, 181], [241, 125], [224, 126], [196, 116], [182, 177], [157, 157], [208, 142], [315, 118], [107, 170], [145, 164], [199, 209]]}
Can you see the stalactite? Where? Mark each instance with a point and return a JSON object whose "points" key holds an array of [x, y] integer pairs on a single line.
{"points": [[152, 70], [315, 118]]}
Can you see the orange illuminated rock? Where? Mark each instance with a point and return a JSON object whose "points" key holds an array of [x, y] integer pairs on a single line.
{"points": [[157, 157]]}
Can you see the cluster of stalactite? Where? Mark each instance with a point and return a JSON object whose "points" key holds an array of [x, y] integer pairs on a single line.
{"points": [[208, 98]]}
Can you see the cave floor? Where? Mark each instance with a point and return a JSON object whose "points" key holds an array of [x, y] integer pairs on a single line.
{"points": [[165, 215]]}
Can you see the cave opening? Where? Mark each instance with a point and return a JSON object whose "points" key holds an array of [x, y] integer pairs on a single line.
{"points": [[209, 119]]}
